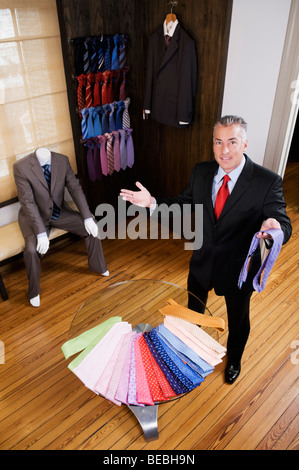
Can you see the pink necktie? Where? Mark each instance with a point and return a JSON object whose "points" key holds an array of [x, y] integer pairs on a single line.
{"points": [[132, 381], [117, 372], [207, 340], [123, 386], [102, 384], [92, 366], [183, 336]]}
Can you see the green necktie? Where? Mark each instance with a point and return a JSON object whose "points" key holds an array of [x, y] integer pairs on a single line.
{"points": [[86, 341]]}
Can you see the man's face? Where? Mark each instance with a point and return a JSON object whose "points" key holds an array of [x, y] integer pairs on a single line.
{"points": [[229, 145]]}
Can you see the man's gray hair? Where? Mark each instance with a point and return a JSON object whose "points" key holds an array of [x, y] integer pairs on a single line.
{"points": [[231, 120]]}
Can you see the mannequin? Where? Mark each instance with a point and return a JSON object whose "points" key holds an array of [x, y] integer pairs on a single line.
{"points": [[25, 177]]}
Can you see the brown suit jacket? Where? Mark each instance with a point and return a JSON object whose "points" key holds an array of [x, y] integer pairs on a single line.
{"points": [[37, 200]]}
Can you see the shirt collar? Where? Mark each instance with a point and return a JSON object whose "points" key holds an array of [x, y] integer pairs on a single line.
{"points": [[170, 28], [234, 175]]}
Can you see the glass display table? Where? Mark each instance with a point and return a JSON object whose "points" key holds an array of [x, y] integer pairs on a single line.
{"points": [[137, 302]]}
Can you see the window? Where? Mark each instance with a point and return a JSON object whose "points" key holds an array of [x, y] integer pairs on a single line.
{"points": [[33, 98]]}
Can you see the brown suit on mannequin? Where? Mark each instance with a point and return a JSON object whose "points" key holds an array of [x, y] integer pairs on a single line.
{"points": [[36, 210]]}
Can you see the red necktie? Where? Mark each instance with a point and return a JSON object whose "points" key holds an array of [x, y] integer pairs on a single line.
{"points": [[222, 196], [80, 91]]}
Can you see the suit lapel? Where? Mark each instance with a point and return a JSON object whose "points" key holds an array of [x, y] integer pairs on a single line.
{"points": [[37, 170], [172, 48], [54, 171], [240, 187]]}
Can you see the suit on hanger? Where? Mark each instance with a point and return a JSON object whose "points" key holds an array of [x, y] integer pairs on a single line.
{"points": [[256, 197], [36, 202], [171, 77]]}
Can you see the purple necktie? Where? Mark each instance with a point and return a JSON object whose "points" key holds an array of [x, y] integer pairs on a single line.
{"points": [[130, 148], [116, 150], [277, 236], [103, 154]]}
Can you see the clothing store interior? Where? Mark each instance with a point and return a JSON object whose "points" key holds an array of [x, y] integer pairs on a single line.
{"points": [[147, 305]]}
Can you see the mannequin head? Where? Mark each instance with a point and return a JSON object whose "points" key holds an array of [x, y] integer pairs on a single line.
{"points": [[43, 156]]}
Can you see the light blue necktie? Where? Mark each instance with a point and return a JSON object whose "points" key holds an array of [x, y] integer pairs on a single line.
{"points": [[195, 378], [185, 353], [277, 237]]}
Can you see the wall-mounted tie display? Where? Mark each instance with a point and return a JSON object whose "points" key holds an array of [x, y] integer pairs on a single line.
{"points": [[101, 69], [141, 369]]}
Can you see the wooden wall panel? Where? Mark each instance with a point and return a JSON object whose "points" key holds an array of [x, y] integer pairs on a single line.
{"points": [[164, 156]]}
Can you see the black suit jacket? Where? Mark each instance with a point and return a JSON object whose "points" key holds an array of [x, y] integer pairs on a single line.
{"points": [[256, 196], [171, 77]]}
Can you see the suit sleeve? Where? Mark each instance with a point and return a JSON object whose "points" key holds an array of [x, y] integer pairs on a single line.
{"points": [[73, 186], [275, 207], [147, 103], [27, 201], [188, 81]]}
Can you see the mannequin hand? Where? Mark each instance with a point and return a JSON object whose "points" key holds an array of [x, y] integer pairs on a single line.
{"points": [[140, 198], [268, 224], [91, 227], [42, 244]]}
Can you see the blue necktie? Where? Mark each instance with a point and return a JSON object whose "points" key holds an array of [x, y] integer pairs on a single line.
{"points": [[119, 113], [96, 121], [195, 378], [86, 61], [115, 62], [171, 364], [84, 113], [174, 382], [107, 56], [93, 59], [90, 126], [112, 124], [105, 119], [47, 173], [100, 53], [185, 353], [277, 236]]}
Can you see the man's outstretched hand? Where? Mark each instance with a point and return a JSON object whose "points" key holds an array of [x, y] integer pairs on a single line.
{"points": [[268, 224], [140, 198]]}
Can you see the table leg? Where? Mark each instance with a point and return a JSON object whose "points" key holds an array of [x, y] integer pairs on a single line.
{"points": [[148, 420]]}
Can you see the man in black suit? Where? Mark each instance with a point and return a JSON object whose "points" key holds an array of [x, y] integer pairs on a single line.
{"points": [[255, 204]]}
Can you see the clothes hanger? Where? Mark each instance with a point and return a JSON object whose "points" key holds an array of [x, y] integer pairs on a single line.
{"points": [[171, 16]]}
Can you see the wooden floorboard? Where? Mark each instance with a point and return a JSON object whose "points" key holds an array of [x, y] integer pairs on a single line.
{"points": [[43, 406]]}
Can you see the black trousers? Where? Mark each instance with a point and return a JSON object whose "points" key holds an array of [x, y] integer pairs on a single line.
{"points": [[238, 309]]}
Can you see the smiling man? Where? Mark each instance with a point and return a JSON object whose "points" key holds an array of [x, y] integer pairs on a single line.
{"points": [[239, 198]]}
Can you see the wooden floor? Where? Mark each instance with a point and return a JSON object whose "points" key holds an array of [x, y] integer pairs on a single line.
{"points": [[44, 406]]}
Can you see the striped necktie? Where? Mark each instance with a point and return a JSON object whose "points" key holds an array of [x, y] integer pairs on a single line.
{"points": [[47, 173]]}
